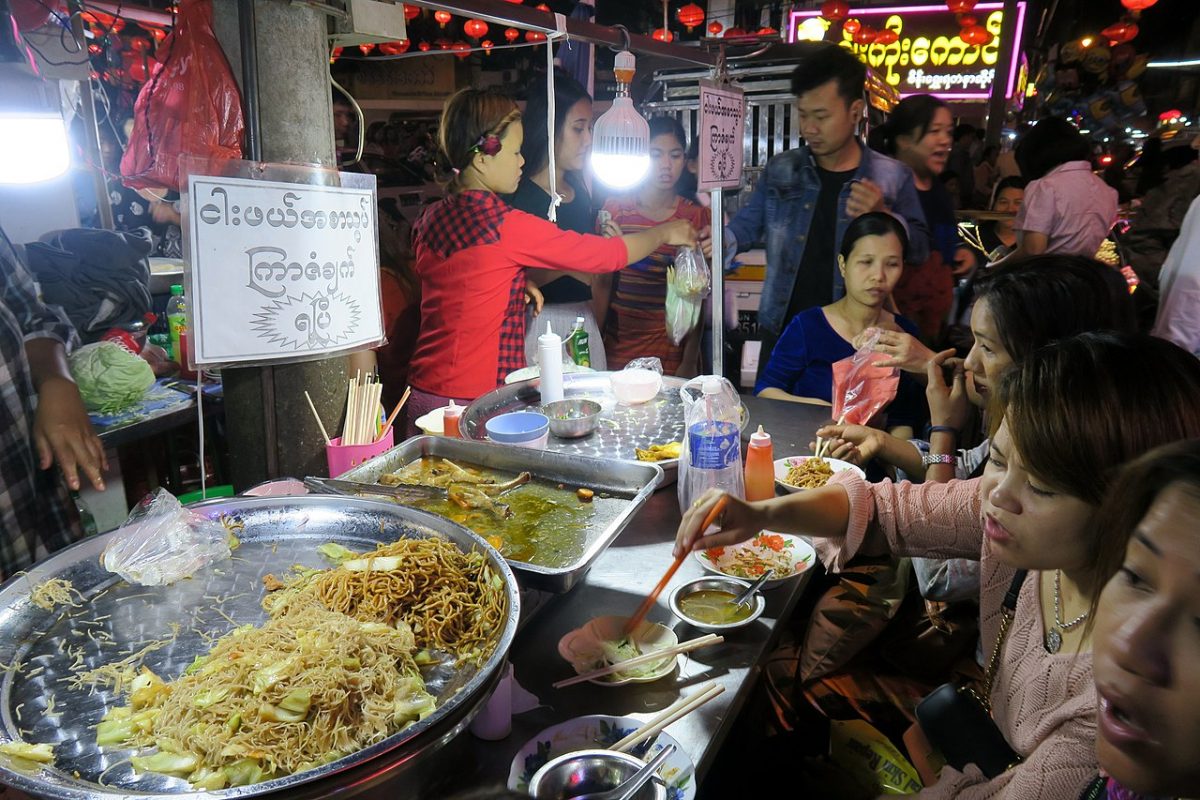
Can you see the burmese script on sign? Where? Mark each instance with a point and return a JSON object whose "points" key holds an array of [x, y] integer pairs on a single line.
{"points": [[281, 271], [722, 122]]}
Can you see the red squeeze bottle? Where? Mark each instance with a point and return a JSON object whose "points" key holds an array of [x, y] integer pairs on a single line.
{"points": [[760, 467]]}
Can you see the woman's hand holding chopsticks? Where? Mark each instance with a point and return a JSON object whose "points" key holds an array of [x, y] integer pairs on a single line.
{"points": [[823, 512], [738, 522]]}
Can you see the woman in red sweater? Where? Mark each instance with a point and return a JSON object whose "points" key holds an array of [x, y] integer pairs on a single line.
{"points": [[472, 250]]}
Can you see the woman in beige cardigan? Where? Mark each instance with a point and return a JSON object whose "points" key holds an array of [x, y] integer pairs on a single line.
{"points": [[1074, 411]]}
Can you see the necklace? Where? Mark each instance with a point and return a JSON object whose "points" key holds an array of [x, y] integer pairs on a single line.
{"points": [[1054, 638]]}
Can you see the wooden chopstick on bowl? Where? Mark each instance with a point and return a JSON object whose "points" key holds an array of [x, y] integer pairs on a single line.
{"points": [[672, 714], [644, 658]]}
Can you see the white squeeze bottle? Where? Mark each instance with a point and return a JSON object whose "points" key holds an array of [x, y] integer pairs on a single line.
{"points": [[550, 357]]}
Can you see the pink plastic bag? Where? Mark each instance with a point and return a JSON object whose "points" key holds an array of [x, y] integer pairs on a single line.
{"points": [[189, 106], [861, 388]]}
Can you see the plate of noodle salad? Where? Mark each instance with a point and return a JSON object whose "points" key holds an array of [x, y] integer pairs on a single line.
{"points": [[785, 553], [797, 473]]}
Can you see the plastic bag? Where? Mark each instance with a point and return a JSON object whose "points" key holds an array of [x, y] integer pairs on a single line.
{"points": [[861, 388], [688, 282], [858, 747], [163, 542], [654, 364], [189, 106]]}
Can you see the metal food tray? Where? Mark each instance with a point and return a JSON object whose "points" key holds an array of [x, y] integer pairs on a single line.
{"points": [[629, 483], [116, 619], [619, 431]]}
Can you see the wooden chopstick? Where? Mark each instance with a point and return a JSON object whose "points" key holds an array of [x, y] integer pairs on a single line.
{"points": [[825, 443], [317, 416], [672, 714], [648, 603], [395, 412], [644, 658]]}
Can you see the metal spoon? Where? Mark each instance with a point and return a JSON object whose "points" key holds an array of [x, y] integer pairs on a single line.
{"points": [[629, 788], [745, 596]]}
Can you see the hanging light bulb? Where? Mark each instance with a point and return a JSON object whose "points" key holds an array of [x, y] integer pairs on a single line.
{"points": [[621, 137], [33, 138]]}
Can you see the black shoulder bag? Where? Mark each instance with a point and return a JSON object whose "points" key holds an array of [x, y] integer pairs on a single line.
{"points": [[957, 720]]}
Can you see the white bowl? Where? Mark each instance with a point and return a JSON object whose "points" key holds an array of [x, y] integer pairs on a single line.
{"points": [[783, 464], [433, 423], [633, 386], [583, 648]]}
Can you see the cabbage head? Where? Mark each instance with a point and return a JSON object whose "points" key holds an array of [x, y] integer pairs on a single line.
{"points": [[110, 378]]}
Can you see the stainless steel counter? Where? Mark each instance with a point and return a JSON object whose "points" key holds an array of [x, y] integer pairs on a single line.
{"points": [[620, 579]]}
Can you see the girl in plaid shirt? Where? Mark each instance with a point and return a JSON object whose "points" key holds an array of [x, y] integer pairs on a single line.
{"points": [[472, 250]]}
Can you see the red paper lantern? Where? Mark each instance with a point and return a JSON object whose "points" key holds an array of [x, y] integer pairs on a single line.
{"points": [[335, 55], [366, 48], [715, 28], [1120, 32], [864, 35], [535, 36], [1138, 5], [961, 6], [139, 45], [766, 31], [690, 15], [411, 12], [512, 34], [976, 34], [835, 10], [442, 43], [967, 20], [424, 47], [734, 32], [851, 26], [395, 48], [475, 28], [461, 50], [663, 35], [442, 17], [887, 36], [542, 7], [158, 34], [487, 46]]}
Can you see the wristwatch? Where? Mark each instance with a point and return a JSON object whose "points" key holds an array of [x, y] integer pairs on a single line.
{"points": [[929, 459]]}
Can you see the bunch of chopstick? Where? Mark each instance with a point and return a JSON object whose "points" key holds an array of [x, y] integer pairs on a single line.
{"points": [[363, 423], [671, 714], [823, 444]]}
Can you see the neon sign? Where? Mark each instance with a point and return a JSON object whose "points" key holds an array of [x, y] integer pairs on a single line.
{"points": [[928, 57]]}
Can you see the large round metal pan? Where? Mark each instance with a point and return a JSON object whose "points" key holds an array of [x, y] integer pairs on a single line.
{"points": [[43, 650]]}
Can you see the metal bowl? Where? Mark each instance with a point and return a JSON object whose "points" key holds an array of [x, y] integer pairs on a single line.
{"points": [[573, 417], [721, 584], [275, 533], [583, 771]]}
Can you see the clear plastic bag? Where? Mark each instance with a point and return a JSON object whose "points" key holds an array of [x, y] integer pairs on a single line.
{"points": [[654, 364], [688, 283], [861, 388], [163, 542]]}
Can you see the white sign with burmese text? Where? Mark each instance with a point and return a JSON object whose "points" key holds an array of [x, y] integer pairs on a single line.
{"points": [[281, 271], [722, 121]]}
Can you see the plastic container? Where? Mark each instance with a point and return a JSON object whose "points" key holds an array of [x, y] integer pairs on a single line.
{"points": [[713, 451], [451, 415], [433, 423], [342, 458], [176, 322], [550, 358], [760, 467], [521, 428], [634, 386], [578, 347]]}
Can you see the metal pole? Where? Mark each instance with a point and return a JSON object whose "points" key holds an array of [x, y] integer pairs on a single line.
{"points": [[248, 40], [88, 106], [999, 101], [718, 282]]}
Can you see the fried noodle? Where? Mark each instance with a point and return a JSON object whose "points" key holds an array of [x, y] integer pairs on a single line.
{"points": [[811, 473]]}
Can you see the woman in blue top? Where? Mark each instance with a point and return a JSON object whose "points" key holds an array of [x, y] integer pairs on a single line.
{"points": [[801, 365]]}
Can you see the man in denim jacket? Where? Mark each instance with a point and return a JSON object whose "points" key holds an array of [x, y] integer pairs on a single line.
{"points": [[807, 197]]}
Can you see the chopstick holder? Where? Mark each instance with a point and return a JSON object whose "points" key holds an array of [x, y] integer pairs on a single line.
{"points": [[671, 714], [644, 658]]}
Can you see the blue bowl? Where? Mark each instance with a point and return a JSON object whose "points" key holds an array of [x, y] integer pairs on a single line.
{"points": [[519, 427]]}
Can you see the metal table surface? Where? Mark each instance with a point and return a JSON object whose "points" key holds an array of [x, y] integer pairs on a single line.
{"points": [[618, 581]]}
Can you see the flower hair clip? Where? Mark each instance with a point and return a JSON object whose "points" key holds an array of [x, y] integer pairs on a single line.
{"points": [[488, 144]]}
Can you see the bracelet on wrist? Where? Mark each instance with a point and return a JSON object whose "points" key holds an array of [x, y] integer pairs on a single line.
{"points": [[943, 429], [929, 459]]}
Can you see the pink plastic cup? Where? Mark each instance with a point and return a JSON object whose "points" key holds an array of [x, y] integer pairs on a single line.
{"points": [[342, 458]]}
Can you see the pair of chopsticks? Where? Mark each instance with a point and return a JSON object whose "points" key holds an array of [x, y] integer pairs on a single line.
{"points": [[648, 603], [362, 404], [823, 444], [671, 714], [644, 658]]}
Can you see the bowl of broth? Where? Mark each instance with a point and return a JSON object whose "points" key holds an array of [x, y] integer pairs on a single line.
{"points": [[707, 603]]}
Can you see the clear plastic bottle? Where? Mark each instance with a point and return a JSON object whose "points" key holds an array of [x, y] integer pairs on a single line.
{"points": [[578, 346], [760, 467], [714, 445], [176, 322]]}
